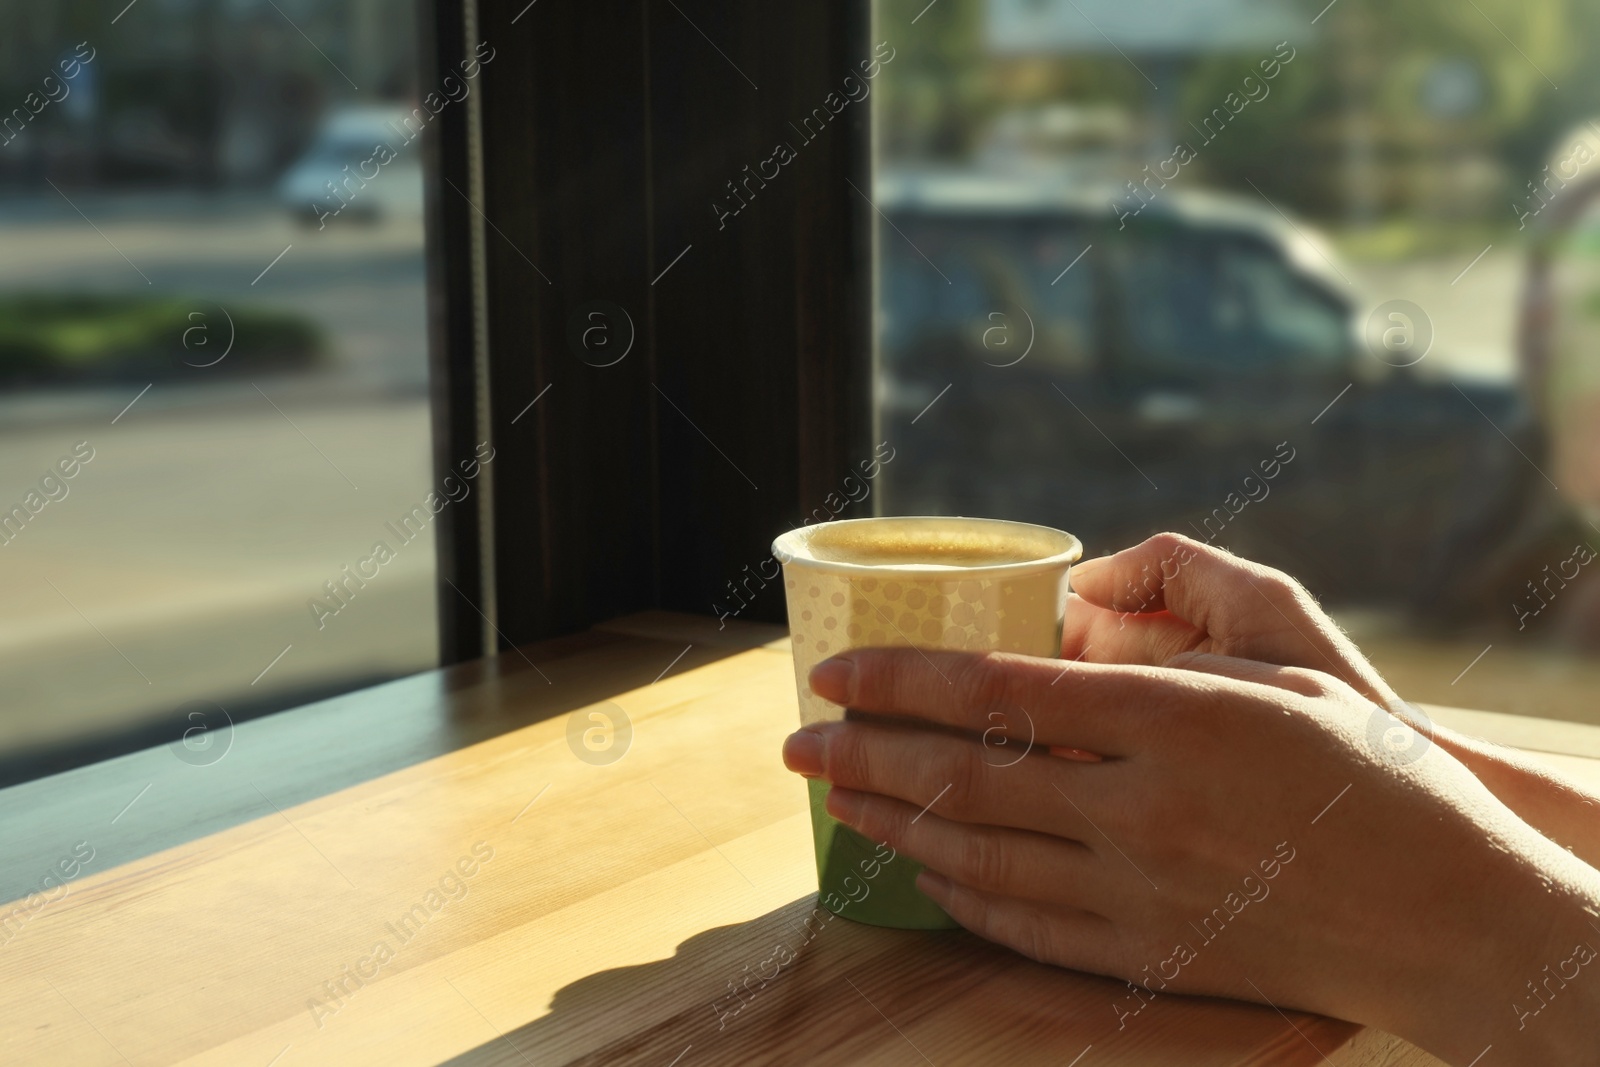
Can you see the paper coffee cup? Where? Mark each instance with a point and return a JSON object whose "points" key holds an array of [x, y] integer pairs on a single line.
{"points": [[926, 582]]}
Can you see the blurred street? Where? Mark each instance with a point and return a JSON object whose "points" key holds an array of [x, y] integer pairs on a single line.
{"points": [[191, 543], [364, 284], [185, 551], [1474, 318], [227, 519]]}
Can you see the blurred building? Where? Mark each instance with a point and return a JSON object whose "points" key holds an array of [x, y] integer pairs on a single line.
{"points": [[196, 93]]}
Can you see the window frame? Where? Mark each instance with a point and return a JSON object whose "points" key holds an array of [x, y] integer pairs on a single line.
{"points": [[746, 398]]}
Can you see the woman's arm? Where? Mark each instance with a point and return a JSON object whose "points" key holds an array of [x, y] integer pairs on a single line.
{"points": [[1559, 808]]}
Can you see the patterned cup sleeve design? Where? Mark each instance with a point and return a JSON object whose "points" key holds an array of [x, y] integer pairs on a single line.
{"points": [[829, 613]]}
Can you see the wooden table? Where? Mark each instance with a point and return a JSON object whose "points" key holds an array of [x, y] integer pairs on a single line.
{"points": [[428, 872]]}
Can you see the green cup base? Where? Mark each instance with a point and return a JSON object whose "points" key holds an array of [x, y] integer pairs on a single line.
{"points": [[854, 881]]}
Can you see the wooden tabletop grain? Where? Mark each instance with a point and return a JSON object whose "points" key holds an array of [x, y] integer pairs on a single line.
{"points": [[445, 870]]}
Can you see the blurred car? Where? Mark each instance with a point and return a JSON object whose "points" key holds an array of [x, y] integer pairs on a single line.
{"points": [[1047, 355], [343, 174]]}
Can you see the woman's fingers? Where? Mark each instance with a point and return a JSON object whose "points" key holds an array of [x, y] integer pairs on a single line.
{"points": [[951, 776], [1100, 708], [1204, 586], [1056, 934], [1307, 683], [994, 859], [1099, 635], [1242, 608]]}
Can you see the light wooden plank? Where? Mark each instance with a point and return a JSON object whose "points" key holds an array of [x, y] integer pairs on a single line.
{"points": [[616, 909]]}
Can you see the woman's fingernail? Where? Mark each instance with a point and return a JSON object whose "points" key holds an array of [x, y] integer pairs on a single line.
{"points": [[834, 679], [1083, 567], [933, 884], [844, 805], [802, 753]]}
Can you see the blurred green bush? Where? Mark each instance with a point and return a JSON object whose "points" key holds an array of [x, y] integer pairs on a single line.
{"points": [[53, 339]]}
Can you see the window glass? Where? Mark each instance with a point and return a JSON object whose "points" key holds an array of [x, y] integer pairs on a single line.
{"points": [[213, 376], [1292, 321], [1227, 306], [1364, 237], [990, 293]]}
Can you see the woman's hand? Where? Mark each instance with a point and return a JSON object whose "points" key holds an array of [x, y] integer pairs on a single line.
{"points": [[1239, 838], [1171, 594]]}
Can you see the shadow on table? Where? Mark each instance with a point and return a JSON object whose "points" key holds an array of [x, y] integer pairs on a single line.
{"points": [[802, 1011], [851, 993]]}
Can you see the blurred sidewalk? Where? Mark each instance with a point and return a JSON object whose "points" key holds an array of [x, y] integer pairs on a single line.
{"points": [[191, 542], [1475, 317]]}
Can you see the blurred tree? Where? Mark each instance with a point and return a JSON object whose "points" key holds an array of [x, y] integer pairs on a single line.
{"points": [[200, 93], [1374, 75], [945, 88], [1422, 107]]}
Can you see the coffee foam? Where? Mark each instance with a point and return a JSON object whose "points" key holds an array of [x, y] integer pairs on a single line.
{"points": [[930, 544]]}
